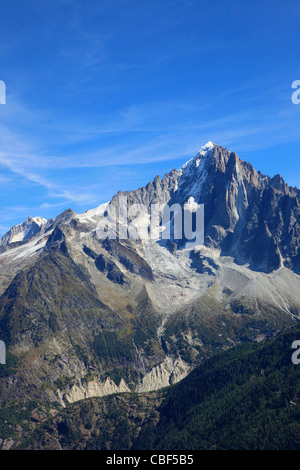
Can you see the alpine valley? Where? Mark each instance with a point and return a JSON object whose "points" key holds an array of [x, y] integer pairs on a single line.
{"points": [[85, 317]]}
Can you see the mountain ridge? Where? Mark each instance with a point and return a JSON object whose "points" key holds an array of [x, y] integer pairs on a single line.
{"points": [[24, 231], [85, 315]]}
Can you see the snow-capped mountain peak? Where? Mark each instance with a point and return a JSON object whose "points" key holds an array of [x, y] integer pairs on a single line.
{"points": [[206, 148], [23, 231], [204, 151], [39, 220]]}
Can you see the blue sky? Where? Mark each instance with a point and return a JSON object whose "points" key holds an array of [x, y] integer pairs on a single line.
{"points": [[103, 95]]}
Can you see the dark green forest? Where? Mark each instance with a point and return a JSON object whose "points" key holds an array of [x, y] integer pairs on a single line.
{"points": [[247, 397]]}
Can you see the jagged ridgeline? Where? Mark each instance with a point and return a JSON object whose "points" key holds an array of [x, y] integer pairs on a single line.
{"points": [[86, 316]]}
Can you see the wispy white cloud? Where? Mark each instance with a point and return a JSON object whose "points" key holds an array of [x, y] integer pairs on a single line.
{"points": [[168, 138], [42, 149], [111, 85]]}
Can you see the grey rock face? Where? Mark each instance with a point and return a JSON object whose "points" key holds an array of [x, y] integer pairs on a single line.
{"points": [[23, 232], [82, 313], [252, 217]]}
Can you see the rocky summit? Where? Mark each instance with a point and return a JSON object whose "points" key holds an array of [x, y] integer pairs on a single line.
{"points": [[87, 316]]}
